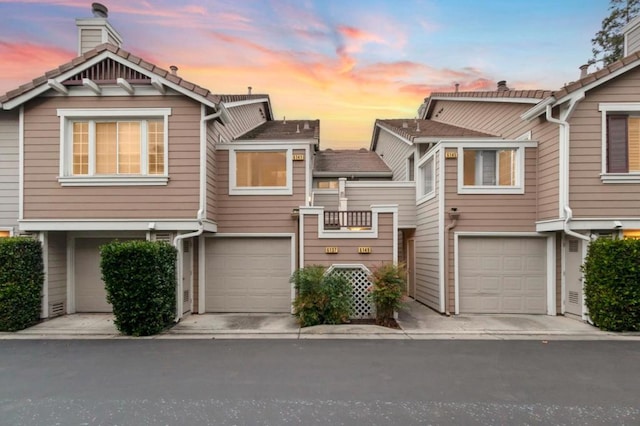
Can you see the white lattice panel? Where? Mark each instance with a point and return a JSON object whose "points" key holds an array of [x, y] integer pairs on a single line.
{"points": [[359, 279]]}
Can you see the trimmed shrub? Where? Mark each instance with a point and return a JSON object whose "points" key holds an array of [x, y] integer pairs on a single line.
{"points": [[21, 281], [322, 298], [612, 284], [386, 291], [140, 279]]}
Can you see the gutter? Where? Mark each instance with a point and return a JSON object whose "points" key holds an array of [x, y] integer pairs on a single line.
{"points": [[177, 243]]}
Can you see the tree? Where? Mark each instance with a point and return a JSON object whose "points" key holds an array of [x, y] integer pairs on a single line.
{"points": [[608, 43]]}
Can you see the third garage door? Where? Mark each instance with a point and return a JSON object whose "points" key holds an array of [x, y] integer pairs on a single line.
{"points": [[248, 275], [502, 275]]}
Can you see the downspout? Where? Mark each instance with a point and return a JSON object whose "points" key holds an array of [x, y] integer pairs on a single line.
{"points": [[177, 243], [453, 215]]}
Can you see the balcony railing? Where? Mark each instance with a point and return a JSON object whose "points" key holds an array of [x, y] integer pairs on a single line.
{"points": [[355, 220]]}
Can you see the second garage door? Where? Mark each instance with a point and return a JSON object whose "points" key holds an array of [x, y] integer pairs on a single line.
{"points": [[502, 275], [248, 275]]}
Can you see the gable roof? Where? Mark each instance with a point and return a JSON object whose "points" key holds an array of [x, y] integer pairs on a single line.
{"points": [[416, 129], [350, 162], [284, 130], [89, 58], [496, 94]]}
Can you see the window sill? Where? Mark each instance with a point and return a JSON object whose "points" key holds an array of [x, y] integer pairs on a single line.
{"points": [[113, 180], [261, 191], [490, 190], [425, 198], [620, 178]]}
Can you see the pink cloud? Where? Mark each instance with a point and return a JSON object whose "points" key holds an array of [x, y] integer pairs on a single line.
{"points": [[35, 59]]}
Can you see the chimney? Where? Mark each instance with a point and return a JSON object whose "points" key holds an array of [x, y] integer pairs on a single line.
{"points": [[502, 86], [174, 69], [306, 126], [584, 70], [249, 89], [96, 30], [457, 87]]}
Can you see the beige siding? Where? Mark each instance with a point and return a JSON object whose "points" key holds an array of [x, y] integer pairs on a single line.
{"points": [[394, 151], [427, 238], [257, 213], [9, 169], [243, 119], [382, 247], [361, 198], [547, 135], [90, 38], [46, 199], [633, 41], [57, 270], [326, 199], [588, 196]]}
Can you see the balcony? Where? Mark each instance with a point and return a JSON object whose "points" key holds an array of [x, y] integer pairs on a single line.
{"points": [[354, 220]]}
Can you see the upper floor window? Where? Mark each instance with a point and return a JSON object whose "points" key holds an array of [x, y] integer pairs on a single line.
{"points": [[427, 179], [491, 170], [620, 142], [327, 184], [112, 147], [260, 172]]}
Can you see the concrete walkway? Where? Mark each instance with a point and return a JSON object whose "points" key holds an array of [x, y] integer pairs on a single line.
{"points": [[416, 322]]}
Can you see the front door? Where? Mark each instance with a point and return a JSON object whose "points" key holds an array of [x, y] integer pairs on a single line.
{"points": [[187, 274], [411, 268], [573, 276]]}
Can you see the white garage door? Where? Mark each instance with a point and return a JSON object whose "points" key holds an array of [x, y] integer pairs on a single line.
{"points": [[248, 275], [89, 288], [502, 275]]}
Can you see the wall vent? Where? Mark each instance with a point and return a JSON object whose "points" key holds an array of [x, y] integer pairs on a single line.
{"points": [[574, 297], [573, 246], [56, 309], [163, 236], [185, 296]]}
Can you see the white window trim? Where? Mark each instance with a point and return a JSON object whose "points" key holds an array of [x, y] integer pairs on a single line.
{"points": [[518, 188], [408, 167], [260, 190], [421, 198], [66, 149], [605, 108], [7, 229]]}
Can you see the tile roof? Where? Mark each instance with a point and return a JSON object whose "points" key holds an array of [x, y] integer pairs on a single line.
{"points": [[530, 94], [240, 98], [345, 161], [427, 128], [284, 130], [197, 90]]}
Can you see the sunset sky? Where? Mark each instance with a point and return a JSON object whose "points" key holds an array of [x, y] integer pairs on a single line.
{"points": [[345, 62]]}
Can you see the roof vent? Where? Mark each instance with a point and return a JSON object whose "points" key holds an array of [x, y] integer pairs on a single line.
{"points": [[502, 86], [297, 128], [405, 125], [417, 126], [249, 89], [284, 119], [584, 70], [99, 10], [306, 125], [174, 69], [363, 150], [457, 87]]}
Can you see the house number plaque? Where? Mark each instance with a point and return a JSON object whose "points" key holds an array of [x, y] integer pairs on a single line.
{"points": [[298, 157], [331, 250], [451, 154], [364, 250]]}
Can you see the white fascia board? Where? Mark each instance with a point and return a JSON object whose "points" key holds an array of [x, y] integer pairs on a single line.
{"points": [[581, 92], [487, 99], [349, 174], [379, 184], [493, 143], [402, 138], [246, 102], [31, 225], [540, 108], [499, 234], [265, 145], [630, 25], [550, 225]]}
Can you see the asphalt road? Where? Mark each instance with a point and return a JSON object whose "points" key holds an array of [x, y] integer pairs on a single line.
{"points": [[337, 382]]}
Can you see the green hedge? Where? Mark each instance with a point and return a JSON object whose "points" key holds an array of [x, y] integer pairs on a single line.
{"points": [[322, 298], [140, 279], [21, 280], [612, 284]]}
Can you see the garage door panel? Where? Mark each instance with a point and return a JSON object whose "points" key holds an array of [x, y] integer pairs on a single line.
{"points": [[248, 275], [502, 275]]}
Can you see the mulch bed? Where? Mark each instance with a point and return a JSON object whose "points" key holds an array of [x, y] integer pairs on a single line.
{"points": [[392, 323]]}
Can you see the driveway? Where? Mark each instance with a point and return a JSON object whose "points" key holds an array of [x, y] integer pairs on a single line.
{"points": [[416, 322]]}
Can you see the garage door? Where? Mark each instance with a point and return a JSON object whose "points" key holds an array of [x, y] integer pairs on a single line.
{"points": [[89, 288], [248, 275], [502, 275]]}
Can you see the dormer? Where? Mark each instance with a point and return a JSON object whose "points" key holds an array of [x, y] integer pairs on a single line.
{"points": [[96, 30]]}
